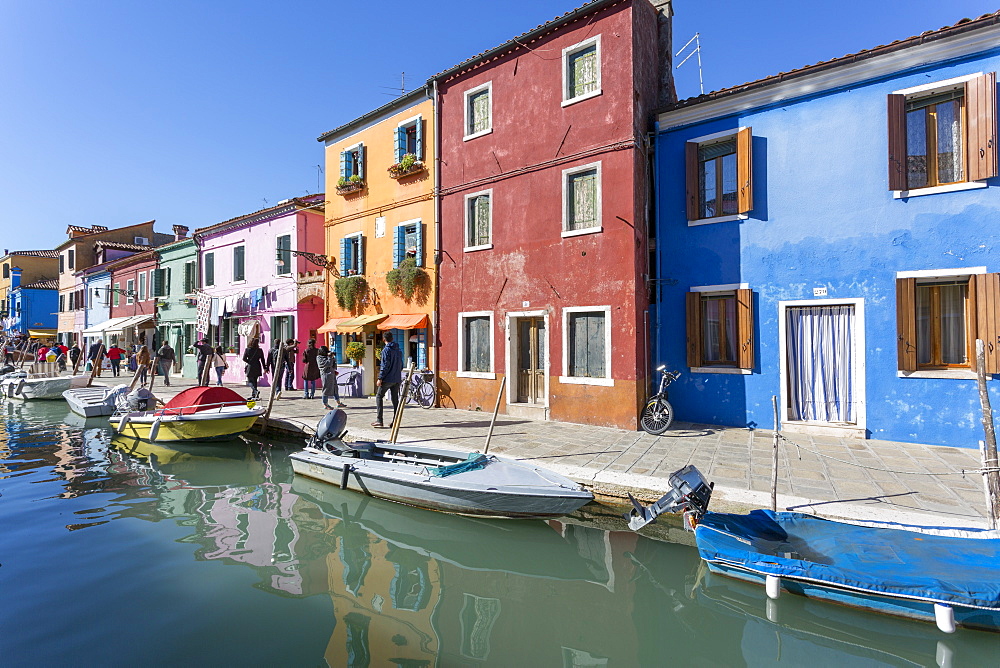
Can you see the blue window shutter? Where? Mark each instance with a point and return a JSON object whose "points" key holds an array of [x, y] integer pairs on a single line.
{"points": [[398, 242], [420, 244], [344, 257], [361, 254], [400, 143], [361, 162], [420, 139], [345, 165]]}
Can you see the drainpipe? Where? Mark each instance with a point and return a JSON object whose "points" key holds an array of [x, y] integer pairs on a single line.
{"points": [[655, 284], [437, 232]]}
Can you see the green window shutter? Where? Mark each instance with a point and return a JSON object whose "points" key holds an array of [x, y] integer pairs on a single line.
{"points": [[344, 257], [361, 254], [400, 143], [420, 245], [209, 268], [361, 162], [420, 139], [345, 164], [239, 263], [157, 287], [398, 245]]}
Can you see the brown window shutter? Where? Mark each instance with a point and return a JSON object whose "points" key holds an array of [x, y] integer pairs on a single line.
{"points": [[694, 329], [897, 143], [691, 179], [744, 170], [744, 329], [987, 305], [906, 324], [981, 110], [972, 322]]}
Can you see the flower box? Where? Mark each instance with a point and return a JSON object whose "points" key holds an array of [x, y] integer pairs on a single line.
{"points": [[350, 187], [397, 171]]}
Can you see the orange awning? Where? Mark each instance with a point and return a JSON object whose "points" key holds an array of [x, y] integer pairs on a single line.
{"points": [[331, 325], [404, 321]]}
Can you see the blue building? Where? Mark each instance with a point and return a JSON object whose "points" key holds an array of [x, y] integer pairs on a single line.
{"points": [[830, 236], [97, 303], [32, 307]]}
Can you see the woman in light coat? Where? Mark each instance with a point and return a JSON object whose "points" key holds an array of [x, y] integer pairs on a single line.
{"points": [[327, 364]]}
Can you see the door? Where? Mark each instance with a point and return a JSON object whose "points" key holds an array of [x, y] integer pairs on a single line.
{"points": [[820, 360], [531, 360]]}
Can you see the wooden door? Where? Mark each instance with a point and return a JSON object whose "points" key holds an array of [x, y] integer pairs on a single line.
{"points": [[531, 360]]}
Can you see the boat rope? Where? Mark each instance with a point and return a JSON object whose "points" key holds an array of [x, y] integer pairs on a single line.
{"points": [[961, 472]]}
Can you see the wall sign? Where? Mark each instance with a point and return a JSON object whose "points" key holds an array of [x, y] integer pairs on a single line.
{"points": [[819, 292]]}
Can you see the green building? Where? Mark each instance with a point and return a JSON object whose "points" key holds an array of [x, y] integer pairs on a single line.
{"points": [[174, 287]]}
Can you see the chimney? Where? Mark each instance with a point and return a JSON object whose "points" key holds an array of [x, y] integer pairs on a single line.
{"points": [[180, 232], [15, 277], [664, 52]]}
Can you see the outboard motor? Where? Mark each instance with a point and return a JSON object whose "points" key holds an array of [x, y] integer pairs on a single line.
{"points": [[330, 432], [7, 368], [689, 493], [141, 400]]}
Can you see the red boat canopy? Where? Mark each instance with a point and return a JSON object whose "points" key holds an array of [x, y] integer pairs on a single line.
{"points": [[196, 399]]}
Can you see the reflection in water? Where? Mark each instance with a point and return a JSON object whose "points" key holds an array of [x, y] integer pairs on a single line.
{"points": [[401, 586]]}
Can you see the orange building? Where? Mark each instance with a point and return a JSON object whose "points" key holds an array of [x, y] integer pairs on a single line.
{"points": [[380, 227]]}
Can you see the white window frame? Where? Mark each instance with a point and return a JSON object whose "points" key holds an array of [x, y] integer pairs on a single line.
{"points": [[566, 54], [357, 256], [415, 222], [465, 233], [416, 120], [586, 380], [143, 286], [960, 273], [129, 289], [488, 86], [488, 375], [711, 139], [566, 174], [353, 149]]}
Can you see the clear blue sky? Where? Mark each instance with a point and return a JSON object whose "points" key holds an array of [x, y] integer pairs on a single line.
{"points": [[113, 112]]}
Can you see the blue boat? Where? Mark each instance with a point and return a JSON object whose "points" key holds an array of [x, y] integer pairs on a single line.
{"points": [[947, 576]]}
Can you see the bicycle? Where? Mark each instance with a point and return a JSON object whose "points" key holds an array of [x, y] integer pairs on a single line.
{"points": [[657, 415], [422, 389]]}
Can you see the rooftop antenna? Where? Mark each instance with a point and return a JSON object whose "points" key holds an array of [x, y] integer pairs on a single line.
{"points": [[402, 86], [694, 51], [319, 178]]}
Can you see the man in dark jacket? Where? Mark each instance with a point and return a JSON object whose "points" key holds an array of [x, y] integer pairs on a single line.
{"points": [[390, 375], [205, 353], [95, 354]]}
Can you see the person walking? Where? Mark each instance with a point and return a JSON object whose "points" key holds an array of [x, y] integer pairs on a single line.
{"points": [[390, 375], [291, 353], [165, 360], [205, 353], [327, 364], [94, 355], [253, 357], [74, 354], [115, 357], [273, 359], [219, 362], [142, 364], [310, 371]]}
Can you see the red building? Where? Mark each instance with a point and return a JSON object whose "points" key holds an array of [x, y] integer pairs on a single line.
{"points": [[133, 306], [544, 210]]}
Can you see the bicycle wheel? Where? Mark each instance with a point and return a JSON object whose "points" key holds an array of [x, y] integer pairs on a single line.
{"points": [[657, 416], [425, 394]]}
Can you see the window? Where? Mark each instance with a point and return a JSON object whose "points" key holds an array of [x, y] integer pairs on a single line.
{"points": [[720, 327], [62, 303], [142, 286], [479, 220], [408, 242], [718, 177], [161, 282], [352, 162], [943, 134], [6, 270], [71, 258], [239, 263], [209, 268], [939, 316], [582, 71], [475, 345], [130, 291], [582, 199], [62, 263], [118, 294], [479, 111], [190, 277], [587, 345], [410, 139], [284, 255], [352, 255]]}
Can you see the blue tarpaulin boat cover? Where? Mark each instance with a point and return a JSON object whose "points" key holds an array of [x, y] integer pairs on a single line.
{"points": [[960, 567]]}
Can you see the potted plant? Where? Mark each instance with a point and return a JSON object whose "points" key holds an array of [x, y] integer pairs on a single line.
{"points": [[355, 352], [407, 280], [406, 166], [349, 184], [350, 291]]}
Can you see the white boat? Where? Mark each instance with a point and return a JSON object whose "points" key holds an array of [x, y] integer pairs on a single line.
{"points": [[94, 401], [437, 478], [32, 386]]}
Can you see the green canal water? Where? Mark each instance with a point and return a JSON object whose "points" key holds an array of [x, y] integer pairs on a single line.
{"points": [[215, 555]]}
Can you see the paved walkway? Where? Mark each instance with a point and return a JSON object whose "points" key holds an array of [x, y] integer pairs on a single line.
{"points": [[817, 475]]}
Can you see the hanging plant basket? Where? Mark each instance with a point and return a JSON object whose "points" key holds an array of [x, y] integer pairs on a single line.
{"points": [[398, 171], [350, 187], [350, 291]]}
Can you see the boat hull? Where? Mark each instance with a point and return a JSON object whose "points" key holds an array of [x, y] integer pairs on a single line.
{"points": [[35, 389], [414, 486], [196, 427], [89, 401]]}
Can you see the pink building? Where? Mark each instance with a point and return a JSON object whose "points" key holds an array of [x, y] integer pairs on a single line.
{"points": [[255, 282]]}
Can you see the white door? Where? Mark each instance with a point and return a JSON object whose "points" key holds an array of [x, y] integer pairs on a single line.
{"points": [[820, 362]]}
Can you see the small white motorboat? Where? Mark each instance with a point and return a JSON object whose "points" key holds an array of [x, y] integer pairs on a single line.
{"points": [[436, 478], [94, 401], [45, 385]]}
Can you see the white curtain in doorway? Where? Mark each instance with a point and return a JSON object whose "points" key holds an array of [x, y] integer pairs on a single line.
{"points": [[821, 363]]}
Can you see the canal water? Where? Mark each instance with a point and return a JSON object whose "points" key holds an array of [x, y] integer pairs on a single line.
{"points": [[137, 554]]}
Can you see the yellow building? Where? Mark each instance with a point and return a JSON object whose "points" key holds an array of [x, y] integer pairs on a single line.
{"points": [[380, 229]]}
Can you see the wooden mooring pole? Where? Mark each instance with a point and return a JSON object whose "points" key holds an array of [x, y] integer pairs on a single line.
{"points": [[496, 409], [988, 448], [277, 373], [774, 456], [397, 415]]}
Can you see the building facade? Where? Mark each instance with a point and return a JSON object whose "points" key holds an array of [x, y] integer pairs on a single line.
{"points": [[31, 307], [35, 265], [133, 307], [249, 279], [176, 293], [544, 216], [833, 243], [380, 228]]}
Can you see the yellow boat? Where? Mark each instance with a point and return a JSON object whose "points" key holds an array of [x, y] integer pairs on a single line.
{"points": [[196, 414]]}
